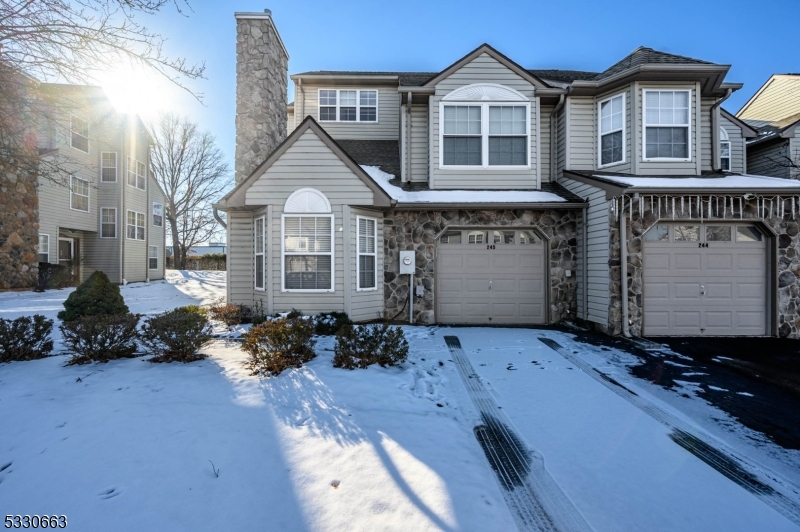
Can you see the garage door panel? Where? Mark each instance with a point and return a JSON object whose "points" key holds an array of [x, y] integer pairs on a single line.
{"points": [[504, 262], [505, 286], [476, 310], [684, 291], [477, 262], [656, 291], [451, 262], [750, 319], [719, 291], [531, 262], [719, 261], [686, 318], [753, 262], [719, 318], [531, 287], [686, 262], [472, 285], [750, 291], [534, 312], [451, 285], [658, 262]]}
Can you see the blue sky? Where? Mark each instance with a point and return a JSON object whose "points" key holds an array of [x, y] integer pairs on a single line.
{"points": [[429, 35]]}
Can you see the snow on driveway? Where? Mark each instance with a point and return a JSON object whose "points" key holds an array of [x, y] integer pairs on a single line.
{"points": [[617, 464]]}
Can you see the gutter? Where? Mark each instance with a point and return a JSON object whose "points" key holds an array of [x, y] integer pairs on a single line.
{"points": [[408, 137], [715, 163], [217, 217], [476, 205]]}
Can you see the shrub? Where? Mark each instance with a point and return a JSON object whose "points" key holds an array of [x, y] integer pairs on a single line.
{"points": [[176, 335], [195, 309], [327, 323], [228, 313], [96, 296], [53, 276], [279, 344], [25, 338], [359, 346], [100, 338], [294, 314]]}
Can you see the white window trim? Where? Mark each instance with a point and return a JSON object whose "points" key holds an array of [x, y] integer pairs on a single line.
{"points": [[359, 253], [484, 135], [284, 253], [101, 209], [88, 148], [38, 247], [688, 127], [721, 157], [256, 253], [154, 214], [136, 173], [88, 194], [149, 258], [623, 129], [137, 226], [116, 166], [358, 106]]}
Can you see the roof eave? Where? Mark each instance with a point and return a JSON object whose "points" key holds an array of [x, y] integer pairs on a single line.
{"points": [[489, 205], [346, 78]]}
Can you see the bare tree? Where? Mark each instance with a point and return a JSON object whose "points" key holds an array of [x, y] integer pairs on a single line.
{"points": [[784, 162], [193, 173], [70, 41]]}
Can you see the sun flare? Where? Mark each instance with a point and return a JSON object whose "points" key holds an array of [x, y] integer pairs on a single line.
{"points": [[133, 89]]}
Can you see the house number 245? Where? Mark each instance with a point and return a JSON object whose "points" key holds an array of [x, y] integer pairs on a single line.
{"points": [[490, 246]]}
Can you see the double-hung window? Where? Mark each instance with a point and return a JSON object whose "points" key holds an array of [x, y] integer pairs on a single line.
{"points": [[307, 252], [467, 142], [108, 222], [667, 130], [348, 105], [136, 173], [152, 258], [612, 130], [79, 133], [367, 253], [724, 150], [108, 167], [259, 253], [44, 247], [79, 194], [158, 214], [135, 225]]}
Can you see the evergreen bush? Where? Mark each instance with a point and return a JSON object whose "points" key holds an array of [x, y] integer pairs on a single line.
{"points": [[328, 323], [228, 313], [360, 346], [25, 338], [279, 344], [176, 335], [96, 296], [100, 338]]}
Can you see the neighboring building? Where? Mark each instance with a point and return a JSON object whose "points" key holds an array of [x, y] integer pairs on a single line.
{"points": [[107, 212], [508, 192], [775, 112]]}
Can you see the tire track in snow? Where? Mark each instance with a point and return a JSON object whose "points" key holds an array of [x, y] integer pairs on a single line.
{"points": [[754, 478], [535, 500]]}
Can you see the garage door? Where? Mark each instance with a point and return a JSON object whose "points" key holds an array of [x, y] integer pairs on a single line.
{"points": [[490, 277], [705, 280]]}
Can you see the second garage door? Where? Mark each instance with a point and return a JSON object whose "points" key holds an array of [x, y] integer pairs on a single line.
{"points": [[705, 280], [490, 277]]}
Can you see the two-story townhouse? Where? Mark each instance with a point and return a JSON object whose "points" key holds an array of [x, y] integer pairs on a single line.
{"points": [[106, 211], [490, 193], [774, 111]]}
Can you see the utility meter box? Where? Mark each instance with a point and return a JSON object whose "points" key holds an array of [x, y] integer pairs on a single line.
{"points": [[407, 262]]}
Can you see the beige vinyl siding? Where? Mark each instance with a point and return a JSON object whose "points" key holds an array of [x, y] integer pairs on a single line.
{"points": [[386, 128], [419, 143], [366, 304], [136, 199], [666, 167], [706, 153], [290, 125], [737, 144], [763, 159], [241, 264], [157, 234], [544, 135], [103, 253], [597, 228], [779, 99], [582, 130], [483, 69], [561, 142]]}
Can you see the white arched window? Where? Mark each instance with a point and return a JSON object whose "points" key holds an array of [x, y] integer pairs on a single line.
{"points": [[307, 243], [484, 125], [724, 150]]}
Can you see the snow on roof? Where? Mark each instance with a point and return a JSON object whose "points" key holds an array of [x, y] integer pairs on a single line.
{"points": [[458, 196], [744, 181]]}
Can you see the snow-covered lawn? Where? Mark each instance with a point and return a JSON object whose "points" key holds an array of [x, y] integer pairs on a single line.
{"points": [[129, 445]]}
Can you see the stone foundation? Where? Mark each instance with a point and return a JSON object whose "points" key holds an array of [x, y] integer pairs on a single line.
{"points": [[418, 230], [787, 241], [19, 228]]}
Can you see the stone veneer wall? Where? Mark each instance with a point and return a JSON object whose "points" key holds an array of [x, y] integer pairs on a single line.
{"points": [[261, 84], [19, 228], [417, 230], [788, 243]]}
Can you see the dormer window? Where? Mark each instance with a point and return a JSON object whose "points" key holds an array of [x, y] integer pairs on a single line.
{"points": [[612, 130], [465, 139], [340, 105], [666, 125]]}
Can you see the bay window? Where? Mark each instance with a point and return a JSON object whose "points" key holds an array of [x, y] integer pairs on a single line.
{"points": [[348, 105], [465, 141], [307, 249], [666, 124], [612, 130], [367, 253]]}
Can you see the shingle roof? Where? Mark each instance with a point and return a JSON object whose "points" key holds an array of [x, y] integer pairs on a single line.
{"points": [[564, 75], [407, 79], [644, 55], [382, 153]]}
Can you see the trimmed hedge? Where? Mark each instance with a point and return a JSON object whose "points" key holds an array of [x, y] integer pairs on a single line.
{"points": [[360, 346], [176, 335], [25, 338], [279, 344], [100, 338]]}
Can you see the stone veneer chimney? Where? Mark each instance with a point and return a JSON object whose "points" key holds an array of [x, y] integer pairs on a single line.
{"points": [[262, 64]]}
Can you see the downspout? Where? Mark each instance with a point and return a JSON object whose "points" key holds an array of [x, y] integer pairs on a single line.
{"points": [[218, 218], [408, 138], [715, 166], [623, 269], [554, 137], [122, 218]]}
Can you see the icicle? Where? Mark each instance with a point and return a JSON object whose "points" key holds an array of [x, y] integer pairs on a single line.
{"points": [[659, 206], [724, 207], [740, 208], [700, 208], [630, 209], [709, 207], [673, 207], [641, 206], [651, 203], [717, 207], [792, 207], [682, 207], [770, 207], [780, 202]]}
